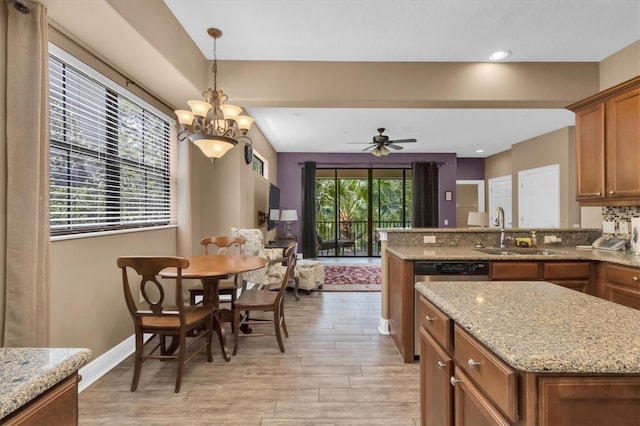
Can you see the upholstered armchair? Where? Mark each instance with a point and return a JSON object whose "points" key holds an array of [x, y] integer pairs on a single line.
{"points": [[271, 275]]}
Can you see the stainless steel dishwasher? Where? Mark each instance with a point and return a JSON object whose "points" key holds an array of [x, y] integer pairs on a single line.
{"points": [[445, 270]]}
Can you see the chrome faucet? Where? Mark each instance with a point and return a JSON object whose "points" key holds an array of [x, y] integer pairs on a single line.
{"points": [[499, 221]]}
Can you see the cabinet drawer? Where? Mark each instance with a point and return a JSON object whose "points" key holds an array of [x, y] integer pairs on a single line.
{"points": [[566, 270], [621, 275], [496, 379], [436, 322], [514, 270]]}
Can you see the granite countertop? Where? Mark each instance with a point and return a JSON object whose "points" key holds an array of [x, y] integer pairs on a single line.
{"points": [[553, 253], [540, 327], [25, 373]]}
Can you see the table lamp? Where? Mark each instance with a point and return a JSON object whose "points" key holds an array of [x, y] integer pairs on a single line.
{"points": [[288, 216]]}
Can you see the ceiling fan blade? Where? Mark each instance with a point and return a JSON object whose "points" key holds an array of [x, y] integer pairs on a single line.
{"points": [[403, 140], [358, 143], [396, 147], [369, 147]]}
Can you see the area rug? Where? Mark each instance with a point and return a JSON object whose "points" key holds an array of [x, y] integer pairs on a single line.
{"points": [[351, 278]]}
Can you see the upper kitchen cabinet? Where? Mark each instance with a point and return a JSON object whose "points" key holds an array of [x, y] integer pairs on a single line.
{"points": [[608, 146]]}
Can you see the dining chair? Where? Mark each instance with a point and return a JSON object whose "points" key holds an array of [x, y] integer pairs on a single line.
{"points": [[159, 315], [261, 299], [220, 245]]}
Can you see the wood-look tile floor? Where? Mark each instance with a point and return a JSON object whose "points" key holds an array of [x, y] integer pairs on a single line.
{"points": [[337, 370]]}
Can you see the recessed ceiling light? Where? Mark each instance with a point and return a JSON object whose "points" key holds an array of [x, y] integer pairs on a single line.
{"points": [[479, 151], [500, 55]]}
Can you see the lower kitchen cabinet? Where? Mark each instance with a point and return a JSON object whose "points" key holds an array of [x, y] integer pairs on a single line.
{"points": [[400, 279], [436, 393], [575, 275], [619, 284], [56, 406], [462, 382]]}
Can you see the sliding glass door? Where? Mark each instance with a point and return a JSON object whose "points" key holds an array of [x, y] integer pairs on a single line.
{"points": [[352, 203]]}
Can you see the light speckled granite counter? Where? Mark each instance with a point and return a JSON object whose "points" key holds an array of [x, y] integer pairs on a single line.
{"points": [[25, 373], [541, 327], [554, 253]]}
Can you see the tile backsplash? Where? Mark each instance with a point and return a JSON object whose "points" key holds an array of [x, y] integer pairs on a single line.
{"points": [[619, 215]]}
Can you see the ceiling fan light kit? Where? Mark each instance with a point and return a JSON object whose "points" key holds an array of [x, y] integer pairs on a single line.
{"points": [[381, 144]]}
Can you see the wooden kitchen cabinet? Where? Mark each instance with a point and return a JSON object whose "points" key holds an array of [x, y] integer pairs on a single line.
{"points": [[56, 406], [483, 389], [619, 284], [608, 146], [436, 392], [400, 279], [575, 275]]}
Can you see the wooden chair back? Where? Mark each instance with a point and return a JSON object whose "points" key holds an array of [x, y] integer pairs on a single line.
{"points": [[290, 261], [153, 291], [223, 244]]}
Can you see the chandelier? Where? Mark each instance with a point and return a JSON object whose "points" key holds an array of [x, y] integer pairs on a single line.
{"points": [[221, 133]]}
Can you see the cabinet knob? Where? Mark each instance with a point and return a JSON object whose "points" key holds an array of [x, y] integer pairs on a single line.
{"points": [[441, 365], [612, 192], [428, 318], [598, 194], [453, 381], [636, 279], [472, 363]]}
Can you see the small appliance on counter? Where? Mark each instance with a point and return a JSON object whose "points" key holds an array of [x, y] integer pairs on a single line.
{"points": [[634, 244]]}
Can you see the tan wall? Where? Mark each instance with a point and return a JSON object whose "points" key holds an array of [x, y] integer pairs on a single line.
{"points": [[552, 148], [621, 66], [87, 307]]}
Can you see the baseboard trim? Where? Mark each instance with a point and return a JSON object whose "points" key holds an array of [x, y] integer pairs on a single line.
{"points": [[383, 326], [105, 362]]}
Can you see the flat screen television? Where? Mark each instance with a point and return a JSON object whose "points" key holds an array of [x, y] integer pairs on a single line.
{"points": [[274, 203]]}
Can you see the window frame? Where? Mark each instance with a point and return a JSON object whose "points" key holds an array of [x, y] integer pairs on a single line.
{"points": [[165, 217]]}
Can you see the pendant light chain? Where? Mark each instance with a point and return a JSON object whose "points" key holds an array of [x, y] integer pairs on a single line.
{"points": [[214, 67]]}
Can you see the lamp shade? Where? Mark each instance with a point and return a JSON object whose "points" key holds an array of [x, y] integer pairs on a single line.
{"points": [[288, 215], [478, 219], [274, 215]]}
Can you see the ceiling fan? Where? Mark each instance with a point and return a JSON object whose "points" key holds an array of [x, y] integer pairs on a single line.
{"points": [[381, 144]]}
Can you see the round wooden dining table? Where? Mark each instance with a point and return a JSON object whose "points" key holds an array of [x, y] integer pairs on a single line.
{"points": [[210, 269]]}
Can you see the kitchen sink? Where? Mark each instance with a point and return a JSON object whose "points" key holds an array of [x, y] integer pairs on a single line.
{"points": [[517, 251]]}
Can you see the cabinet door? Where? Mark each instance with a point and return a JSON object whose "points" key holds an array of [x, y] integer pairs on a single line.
{"points": [[590, 130], [623, 146], [471, 407], [621, 285], [436, 394], [514, 270]]}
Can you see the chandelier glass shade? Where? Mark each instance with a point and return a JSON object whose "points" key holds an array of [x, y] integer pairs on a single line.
{"points": [[213, 125]]}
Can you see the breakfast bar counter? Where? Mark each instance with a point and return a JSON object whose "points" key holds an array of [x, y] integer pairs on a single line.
{"points": [[542, 327], [29, 374], [526, 353]]}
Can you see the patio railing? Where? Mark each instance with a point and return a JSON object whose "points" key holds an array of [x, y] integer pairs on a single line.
{"points": [[356, 231]]}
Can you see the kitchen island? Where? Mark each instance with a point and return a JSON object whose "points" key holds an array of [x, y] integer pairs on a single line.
{"points": [[614, 276], [526, 353], [40, 385]]}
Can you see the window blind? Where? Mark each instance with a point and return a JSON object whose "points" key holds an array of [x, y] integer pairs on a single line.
{"points": [[109, 156]]}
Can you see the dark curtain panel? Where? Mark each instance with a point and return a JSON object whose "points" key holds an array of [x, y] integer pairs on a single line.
{"points": [[425, 195], [309, 237]]}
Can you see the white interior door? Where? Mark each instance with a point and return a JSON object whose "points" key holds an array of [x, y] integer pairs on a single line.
{"points": [[500, 196], [539, 197]]}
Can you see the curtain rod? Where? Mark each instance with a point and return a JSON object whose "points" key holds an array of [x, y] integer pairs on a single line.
{"points": [[20, 6], [370, 165]]}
